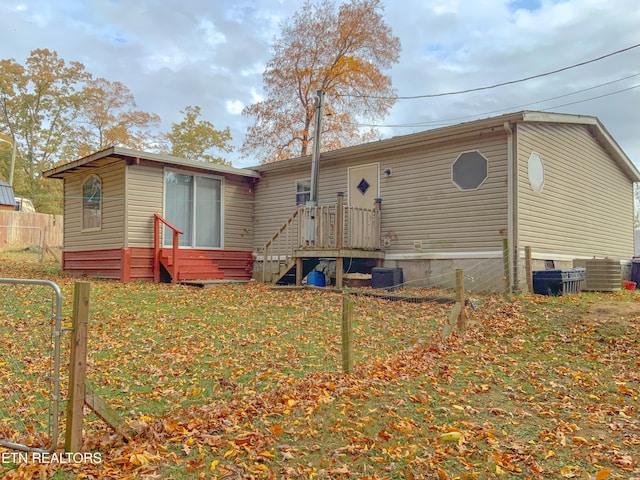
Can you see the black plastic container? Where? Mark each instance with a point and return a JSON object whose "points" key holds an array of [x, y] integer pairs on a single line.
{"points": [[635, 271], [389, 278]]}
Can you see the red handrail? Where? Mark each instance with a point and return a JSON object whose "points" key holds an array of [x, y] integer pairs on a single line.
{"points": [[156, 248]]}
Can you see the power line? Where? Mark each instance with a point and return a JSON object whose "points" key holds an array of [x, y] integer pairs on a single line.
{"points": [[515, 107], [448, 121], [488, 87], [594, 98]]}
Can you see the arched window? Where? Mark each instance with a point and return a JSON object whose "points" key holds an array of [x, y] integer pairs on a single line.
{"points": [[92, 203]]}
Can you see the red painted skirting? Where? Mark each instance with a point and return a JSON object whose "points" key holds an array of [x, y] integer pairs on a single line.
{"points": [[136, 263]]}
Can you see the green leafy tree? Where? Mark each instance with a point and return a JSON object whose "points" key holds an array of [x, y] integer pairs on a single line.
{"points": [[198, 139], [341, 51], [38, 104], [6, 146], [108, 118], [55, 111]]}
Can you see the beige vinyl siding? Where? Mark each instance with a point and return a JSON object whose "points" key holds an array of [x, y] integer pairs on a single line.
{"points": [[145, 186], [585, 207], [275, 198], [419, 201], [238, 214], [111, 234], [275, 201]]}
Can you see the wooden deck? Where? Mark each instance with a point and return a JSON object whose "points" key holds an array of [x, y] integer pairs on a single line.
{"points": [[137, 264], [324, 231]]}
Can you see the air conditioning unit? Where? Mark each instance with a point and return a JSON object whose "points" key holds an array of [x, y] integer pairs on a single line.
{"points": [[603, 275]]}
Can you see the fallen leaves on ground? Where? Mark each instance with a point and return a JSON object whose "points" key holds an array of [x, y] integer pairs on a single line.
{"points": [[244, 382]]}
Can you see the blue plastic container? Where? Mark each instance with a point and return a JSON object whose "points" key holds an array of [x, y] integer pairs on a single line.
{"points": [[316, 279]]}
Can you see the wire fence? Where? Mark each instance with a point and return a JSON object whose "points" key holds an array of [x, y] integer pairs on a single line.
{"points": [[484, 276], [30, 352], [178, 346], [156, 349]]}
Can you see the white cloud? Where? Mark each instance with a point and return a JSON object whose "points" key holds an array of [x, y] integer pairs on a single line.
{"points": [[172, 60], [445, 6], [212, 37], [255, 96], [255, 69], [234, 107], [188, 52]]}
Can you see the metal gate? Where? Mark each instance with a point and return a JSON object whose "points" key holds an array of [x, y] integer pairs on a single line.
{"points": [[30, 343]]}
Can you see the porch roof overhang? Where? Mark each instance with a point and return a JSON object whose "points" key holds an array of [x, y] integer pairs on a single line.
{"points": [[117, 154], [453, 132]]}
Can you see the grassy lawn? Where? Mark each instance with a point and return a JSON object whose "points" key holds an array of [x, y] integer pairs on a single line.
{"points": [[244, 381]]}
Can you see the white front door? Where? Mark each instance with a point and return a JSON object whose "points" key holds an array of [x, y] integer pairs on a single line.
{"points": [[364, 185]]}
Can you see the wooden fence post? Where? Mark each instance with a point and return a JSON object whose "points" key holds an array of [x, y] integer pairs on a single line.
{"points": [[340, 220], [462, 316], [44, 247], [347, 334], [77, 368], [528, 266], [507, 263]]}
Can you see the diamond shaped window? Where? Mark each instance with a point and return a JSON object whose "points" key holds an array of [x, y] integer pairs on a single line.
{"points": [[363, 186]]}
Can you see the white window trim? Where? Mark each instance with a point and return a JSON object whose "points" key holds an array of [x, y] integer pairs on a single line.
{"points": [[481, 183], [82, 227], [297, 182], [222, 208]]}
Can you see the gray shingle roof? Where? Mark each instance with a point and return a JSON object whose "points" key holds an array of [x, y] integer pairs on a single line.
{"points": [[6, 194]]}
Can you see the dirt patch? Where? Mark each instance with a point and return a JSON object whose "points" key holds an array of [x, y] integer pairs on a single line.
{"points": [[620, 313]]}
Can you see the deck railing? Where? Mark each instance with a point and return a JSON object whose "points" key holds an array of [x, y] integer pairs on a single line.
{"points": [[157, 220], [362, 228], [322, 227], [281, 248]]}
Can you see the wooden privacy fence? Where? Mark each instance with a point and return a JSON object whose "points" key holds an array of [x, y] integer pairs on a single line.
{"points": [[24, 229]]}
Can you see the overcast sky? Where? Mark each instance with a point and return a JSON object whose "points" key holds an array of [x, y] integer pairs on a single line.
{"points": [[211, 53]]}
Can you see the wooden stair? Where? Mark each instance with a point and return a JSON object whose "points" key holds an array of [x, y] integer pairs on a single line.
{"points": [[191, 266], [287, 273], [314, 232]]}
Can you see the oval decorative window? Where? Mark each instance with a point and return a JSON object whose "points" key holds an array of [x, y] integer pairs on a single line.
{"points": [[536, 172]]}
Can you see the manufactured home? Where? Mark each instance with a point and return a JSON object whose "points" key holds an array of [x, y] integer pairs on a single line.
{"points": [[428, 203]]}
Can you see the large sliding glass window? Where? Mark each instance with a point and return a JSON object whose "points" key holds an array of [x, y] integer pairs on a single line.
{"points": [[193, 204]]}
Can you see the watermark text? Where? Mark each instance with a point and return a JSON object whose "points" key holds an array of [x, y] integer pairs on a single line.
{"points": [[50, 457]]}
